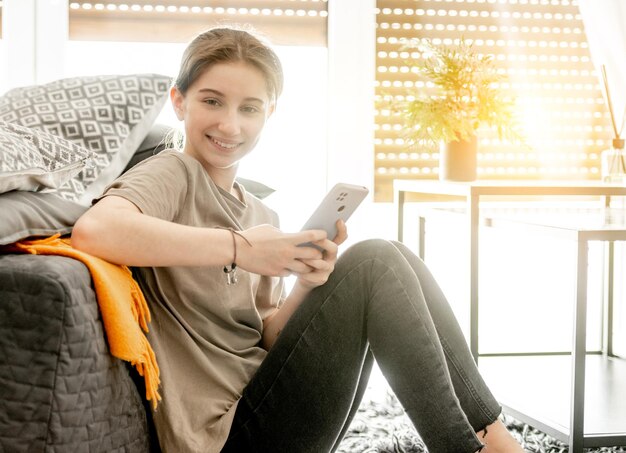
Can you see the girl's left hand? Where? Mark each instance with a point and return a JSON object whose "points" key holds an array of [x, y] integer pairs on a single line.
{"points": [[320, 269]]}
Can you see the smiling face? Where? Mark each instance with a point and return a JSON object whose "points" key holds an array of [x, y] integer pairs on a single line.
{"points": [[224, 111]]}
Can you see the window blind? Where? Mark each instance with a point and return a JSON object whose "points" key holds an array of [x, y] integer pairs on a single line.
{"points": [[284, 22], [540, 46]]}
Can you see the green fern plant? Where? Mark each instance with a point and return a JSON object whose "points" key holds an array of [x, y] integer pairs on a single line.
{"points": [[461, 95]]}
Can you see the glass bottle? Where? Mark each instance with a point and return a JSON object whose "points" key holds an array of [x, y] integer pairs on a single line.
{"points": [[613, 163]]}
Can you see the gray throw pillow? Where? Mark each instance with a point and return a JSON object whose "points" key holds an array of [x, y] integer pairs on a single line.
{"points": [[26, 214], [32, 159], [153, 144], [109, 115]]}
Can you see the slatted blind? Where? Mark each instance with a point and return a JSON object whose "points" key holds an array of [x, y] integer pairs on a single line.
{"points": [[284, 22], [540, 45]]}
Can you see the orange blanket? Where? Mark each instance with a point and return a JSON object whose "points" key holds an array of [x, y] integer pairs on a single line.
{"points": [[122, 305]]}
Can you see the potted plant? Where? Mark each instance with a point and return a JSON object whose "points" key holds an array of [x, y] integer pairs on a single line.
{"points": [[460, 95]]}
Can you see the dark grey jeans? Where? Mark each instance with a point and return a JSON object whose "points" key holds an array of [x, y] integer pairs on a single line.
{"points": [[381, 300]]}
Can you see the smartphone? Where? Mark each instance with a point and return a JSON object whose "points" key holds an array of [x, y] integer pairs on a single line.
{"points": [[339, 203]]}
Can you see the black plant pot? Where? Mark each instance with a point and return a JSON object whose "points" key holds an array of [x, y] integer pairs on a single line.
{"points": [[458, 161]]}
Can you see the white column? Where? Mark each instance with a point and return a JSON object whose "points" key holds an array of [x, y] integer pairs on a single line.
{"points": [[52, 31], [352, 73], [34, 34], [351, 54], [18, 34]]}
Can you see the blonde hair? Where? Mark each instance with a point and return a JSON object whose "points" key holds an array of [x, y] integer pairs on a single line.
{"points": [[229, 45]]}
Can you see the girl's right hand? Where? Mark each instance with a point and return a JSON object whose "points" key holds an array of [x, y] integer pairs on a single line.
{"points": [[272, 252]]}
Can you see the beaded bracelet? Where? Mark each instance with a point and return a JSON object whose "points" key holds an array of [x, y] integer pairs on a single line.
{"points": [[231, 271]]}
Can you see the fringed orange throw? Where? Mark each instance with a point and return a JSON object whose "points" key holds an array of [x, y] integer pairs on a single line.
{"points": [[122, 305]]}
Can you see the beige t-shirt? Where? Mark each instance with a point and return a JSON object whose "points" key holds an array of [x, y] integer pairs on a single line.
{"points": [[204, 332]]}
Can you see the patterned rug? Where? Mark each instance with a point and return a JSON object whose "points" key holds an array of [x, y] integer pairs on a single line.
{"points": [[381, 426]]}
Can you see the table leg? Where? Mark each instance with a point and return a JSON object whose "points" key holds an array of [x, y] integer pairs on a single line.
{"points": [[609, 285], [577, 408], [472, 209], [421, 237], [400, 206]]}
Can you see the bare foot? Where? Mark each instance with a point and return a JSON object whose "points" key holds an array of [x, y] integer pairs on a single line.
{"points": [[497, 439]]}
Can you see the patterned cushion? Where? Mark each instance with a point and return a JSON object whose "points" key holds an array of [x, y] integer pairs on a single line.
{"points": [[109, 115], [32, 159]]}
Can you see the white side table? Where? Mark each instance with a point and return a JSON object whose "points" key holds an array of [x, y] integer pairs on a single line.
{"points": [[564, 418]]}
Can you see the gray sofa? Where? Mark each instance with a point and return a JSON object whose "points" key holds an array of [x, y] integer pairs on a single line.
{"points": [[60, 388]]}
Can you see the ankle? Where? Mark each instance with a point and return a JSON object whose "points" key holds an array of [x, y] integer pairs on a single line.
{"points": [[497, 439]]}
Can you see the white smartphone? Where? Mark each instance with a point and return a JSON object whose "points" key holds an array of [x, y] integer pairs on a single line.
{"points": [[339, 203]]}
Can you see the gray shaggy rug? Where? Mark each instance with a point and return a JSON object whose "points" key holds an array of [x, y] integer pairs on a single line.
{"points": [[381, 426]]}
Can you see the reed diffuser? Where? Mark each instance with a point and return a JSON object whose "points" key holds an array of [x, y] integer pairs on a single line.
{"points": [[613, 159]]}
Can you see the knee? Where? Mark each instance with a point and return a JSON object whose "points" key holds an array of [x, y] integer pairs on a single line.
{"points": [[391, 254], [407, 252], [372, 249]]}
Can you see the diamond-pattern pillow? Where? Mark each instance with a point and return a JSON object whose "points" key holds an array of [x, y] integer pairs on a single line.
{"points": [[109, 115], [36, 160]]}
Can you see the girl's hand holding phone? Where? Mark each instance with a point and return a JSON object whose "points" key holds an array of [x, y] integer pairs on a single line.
{"points": [[273, 252], [321, 268]]}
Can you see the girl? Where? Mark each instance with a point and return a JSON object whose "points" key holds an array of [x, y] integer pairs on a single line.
{"points": [[245, 367]]}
